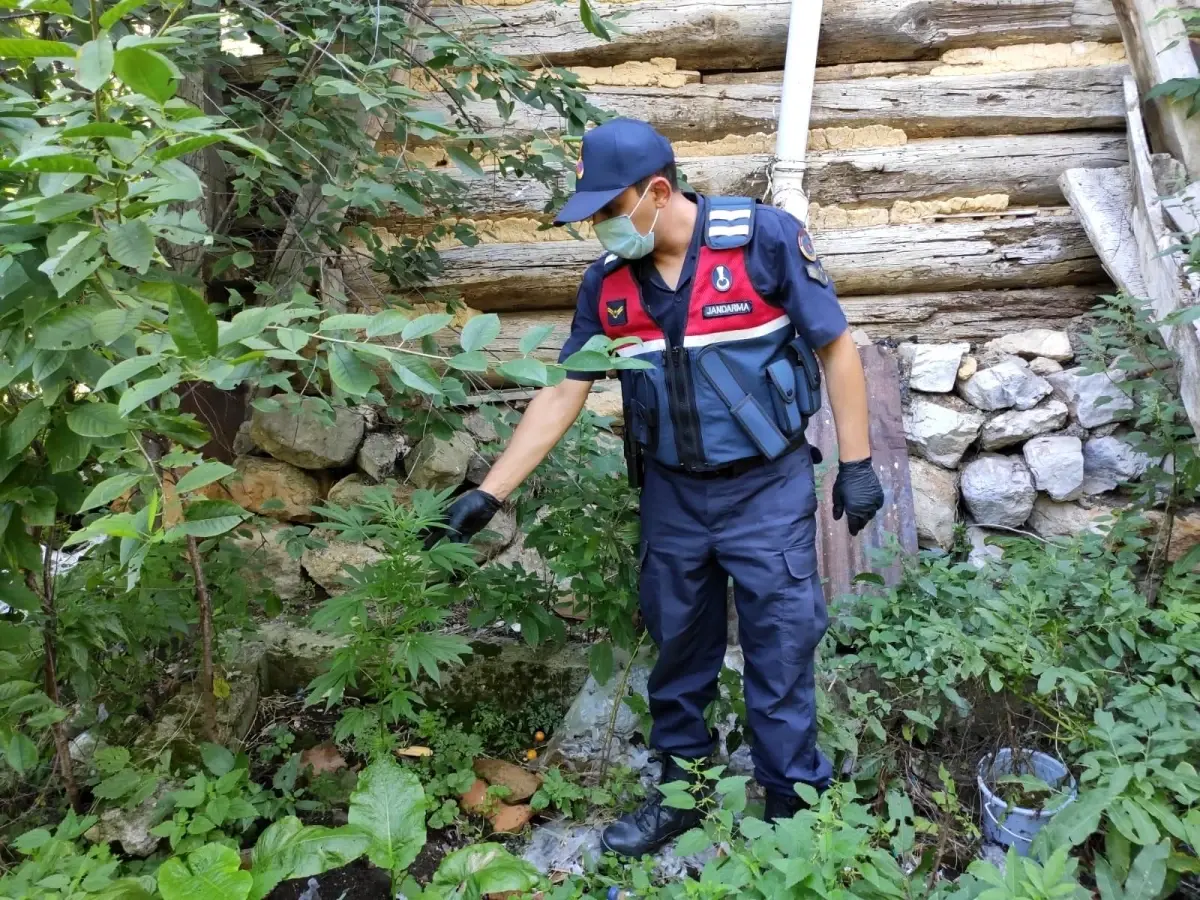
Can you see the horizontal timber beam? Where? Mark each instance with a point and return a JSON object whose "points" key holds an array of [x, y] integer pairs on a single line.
{"points": [[752, 34], [1045, 250], [952, 316], [1049, 100], [1026, 168]]}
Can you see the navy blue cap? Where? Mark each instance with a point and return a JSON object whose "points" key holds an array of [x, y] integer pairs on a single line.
{"points": [[615, 156]]}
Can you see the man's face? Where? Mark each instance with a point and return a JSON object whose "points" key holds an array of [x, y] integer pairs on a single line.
{"points": [[657, 193]]}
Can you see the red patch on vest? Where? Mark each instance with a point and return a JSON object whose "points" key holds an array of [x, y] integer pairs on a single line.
{"points": [[737, 307], [621, 311]]}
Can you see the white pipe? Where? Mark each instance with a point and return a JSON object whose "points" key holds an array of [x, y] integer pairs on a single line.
{"points": [[795, 108]]}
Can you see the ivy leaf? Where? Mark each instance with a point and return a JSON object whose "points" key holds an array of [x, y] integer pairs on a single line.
{"points": [[424, 325], [24, 427], [131, 244], [94, 64], [147, 72], [192, 325], [109, 490], [145, 391], [126, 369], [479, 332], [204, 474], [526, 369], [97, 420], [349, 372], [532, 339], [212, 871]]}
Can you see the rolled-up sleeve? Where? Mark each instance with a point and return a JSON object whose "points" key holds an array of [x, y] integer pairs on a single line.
{"points": [[788, 279], [585, 323]]}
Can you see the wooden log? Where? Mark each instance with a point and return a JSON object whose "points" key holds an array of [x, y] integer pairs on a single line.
{"points": [[1158, 48], [1102, 200], [1044, 101], [752, 34], [829, 73], [973, 316], [1035, 251], [1025, 167]]}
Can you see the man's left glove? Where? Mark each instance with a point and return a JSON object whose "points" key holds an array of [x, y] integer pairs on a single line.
{"points": [[466, 517], [858, 493]]}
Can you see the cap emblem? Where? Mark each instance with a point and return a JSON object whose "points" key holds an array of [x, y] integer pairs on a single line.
{"points": [[579, 168]]}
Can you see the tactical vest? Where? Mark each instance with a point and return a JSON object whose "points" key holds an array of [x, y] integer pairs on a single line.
{"points": [[742, 384]]}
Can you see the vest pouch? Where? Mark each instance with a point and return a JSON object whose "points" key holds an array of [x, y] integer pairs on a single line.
{"points": [[783, 376], [642, 412], [808, 378], [756, 422]]}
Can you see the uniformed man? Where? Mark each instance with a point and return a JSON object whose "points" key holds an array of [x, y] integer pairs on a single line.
{"points": [[728, 301]]}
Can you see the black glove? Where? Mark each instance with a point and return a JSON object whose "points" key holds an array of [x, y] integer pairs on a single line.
{"points": [[858, 493], [466, 517]]}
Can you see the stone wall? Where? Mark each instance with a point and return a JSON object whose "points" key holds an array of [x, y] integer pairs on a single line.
{"points": [[1012, 436]]}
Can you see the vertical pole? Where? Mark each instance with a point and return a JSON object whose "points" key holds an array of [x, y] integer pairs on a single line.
{"points": [[795, 108]]}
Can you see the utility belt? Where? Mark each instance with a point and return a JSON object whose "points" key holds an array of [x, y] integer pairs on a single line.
{"points": [[740, 466]]}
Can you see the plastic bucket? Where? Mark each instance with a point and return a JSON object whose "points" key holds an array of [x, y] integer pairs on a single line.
{"points": [[1015, 826]]}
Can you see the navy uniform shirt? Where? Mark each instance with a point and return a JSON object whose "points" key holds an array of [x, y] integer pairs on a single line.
{"points": [[776, 269]]}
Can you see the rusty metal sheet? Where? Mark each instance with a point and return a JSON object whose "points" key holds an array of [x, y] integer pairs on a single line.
{"points": [[842, 557]]}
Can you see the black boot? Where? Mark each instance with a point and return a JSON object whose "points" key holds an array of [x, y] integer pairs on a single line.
{"points": [[649, 827], [782, 806]]}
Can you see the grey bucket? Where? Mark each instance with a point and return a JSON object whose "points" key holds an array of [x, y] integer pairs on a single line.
{"points": [[1015, 826]]}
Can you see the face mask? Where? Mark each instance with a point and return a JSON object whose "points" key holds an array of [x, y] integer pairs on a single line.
{"points": [[620, 236]]}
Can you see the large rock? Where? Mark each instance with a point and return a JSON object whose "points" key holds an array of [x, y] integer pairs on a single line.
{"points": [[295, 654], [436, 464], [1042, 366], [1185, 534], [1057, 465], [498, 535], [270, 561], [131, 827], [982, 553], [270, 488], [941, 431], [481, 427], [327, 565], [297, 433], [1094, 400], [1035, 342], [1017, 425], [379, 453], [1052, 518], [998, 490], [935, 503], [521, 783], [1109, 462], [605, 400], [352, 489], [933, 368], [1005, 385]]}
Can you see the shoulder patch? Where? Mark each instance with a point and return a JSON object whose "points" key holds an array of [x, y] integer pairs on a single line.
{"points": [[807, 250], [817, 273]]}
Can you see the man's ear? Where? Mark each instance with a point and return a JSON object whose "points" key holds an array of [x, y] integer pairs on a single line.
{"points": [[661, 191]]}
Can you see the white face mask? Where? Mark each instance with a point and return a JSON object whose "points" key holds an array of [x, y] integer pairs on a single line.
{"points": [[620, 236]]}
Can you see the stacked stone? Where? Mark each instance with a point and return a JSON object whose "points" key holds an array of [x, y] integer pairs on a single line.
{"points": [[297, 456], [1014, 435]]}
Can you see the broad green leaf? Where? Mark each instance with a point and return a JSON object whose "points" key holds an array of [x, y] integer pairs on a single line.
{"points": [[94, 64], [390, 321], [600, 661], [118, 784], [209, 518], [411, 379], [217, 759], [97, 420], [67, 329], [127, 369], [192, 325], [100, 129], [468, 362], [147, 72], [30, 48], [389, 807], [349, 372], [62, 205], [131, 244], [204, 474], [532, 339], [592, 22], [466, 163], [142, 392], [292, 338], [21, 753], [187, 145], [211, 873], [692, 842], [71, 256], [65, 449], [24, 427], [112, 16], [424, 325], [588, 361], [1148, 872], [250, 147], [53, 162], [525, 370], [113, 324], [346, 322], [109, 490], [479, 332], [288, 849], [490, 867]]}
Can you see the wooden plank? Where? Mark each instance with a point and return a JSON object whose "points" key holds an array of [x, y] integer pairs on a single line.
{"points": [[1102, 200], [1026, 168], [1035, 251], [1049, 100], [829, 73], [841, 556], [1167, 287], [752, 34], [973, 316], [1159, 50]]}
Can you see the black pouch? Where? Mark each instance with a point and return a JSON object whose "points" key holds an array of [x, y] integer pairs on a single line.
{"points": [[808, 378]]}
